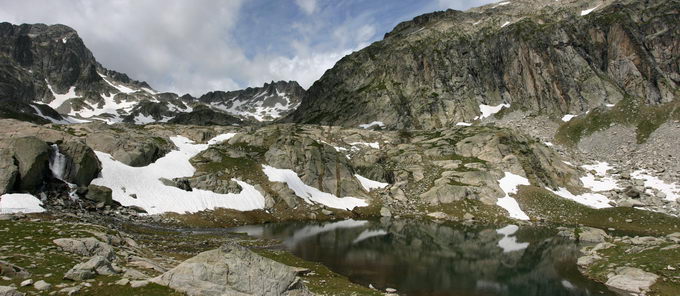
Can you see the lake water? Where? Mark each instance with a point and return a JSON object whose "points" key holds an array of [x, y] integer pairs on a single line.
{"points": [[426, 258]]}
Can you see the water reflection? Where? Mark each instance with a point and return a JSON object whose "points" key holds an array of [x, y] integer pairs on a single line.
{"points": [[426, 258]]}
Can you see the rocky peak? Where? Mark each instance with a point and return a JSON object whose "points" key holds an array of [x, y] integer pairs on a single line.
{"points": [[544, 57]]}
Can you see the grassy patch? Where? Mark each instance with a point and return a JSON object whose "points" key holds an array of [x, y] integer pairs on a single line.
{"points": [[540, 203], [321, 280], [490, 214], [651, 259], [629, 111]]}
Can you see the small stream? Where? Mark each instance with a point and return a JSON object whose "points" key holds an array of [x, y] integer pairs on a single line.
{"points": [[426, 258]]}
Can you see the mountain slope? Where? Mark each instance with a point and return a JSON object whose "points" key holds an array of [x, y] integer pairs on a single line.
{"points": [[540, 56], [49, 67]]}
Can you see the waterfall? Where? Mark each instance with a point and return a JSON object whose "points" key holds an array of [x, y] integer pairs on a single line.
{"points": [[58, 163]]}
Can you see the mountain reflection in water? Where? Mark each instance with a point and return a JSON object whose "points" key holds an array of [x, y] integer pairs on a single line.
{"points": [[426, 258]]}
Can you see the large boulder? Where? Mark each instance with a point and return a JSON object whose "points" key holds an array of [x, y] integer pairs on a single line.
{"points": [[631, 280], [99, 194], [10, 291], [86, 246], [12, 271], [84, 165], [32, 156], [8, 171], [231, 270], [592, 235], [89, 269]]}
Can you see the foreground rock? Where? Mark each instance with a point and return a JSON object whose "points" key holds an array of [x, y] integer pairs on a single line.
{"points": [[9, 291], [86, 246], [12, 271], [90, 269], [630, 279], [232, 270]]}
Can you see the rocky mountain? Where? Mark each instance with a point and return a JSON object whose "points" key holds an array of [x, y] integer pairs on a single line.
{"points": [[49, 67], [545, 57]]}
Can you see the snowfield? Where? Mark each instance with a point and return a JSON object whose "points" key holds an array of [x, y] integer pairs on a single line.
{"points": [[155, 197], [509, 185], [488, 110], [372, 124], [600, 181], [672, 190], [593, 200], [308, 193], [20, 203]]}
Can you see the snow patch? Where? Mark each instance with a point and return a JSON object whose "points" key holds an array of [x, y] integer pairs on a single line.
{"points": [[600, 181], [308, 193], [221, 138], [463, 124], [60, 99], [593, 200], [568, 117], [509, 242], [488, 110], [372, 124], [509, 185], [374, 145], [143, 119], [20, 203], [505, 24], [548, 144], [155, 197], [588, 11], [369, 184], [672, 190]]}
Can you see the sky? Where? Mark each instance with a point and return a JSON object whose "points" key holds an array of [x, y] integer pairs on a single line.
{"points": [[198, 46]]}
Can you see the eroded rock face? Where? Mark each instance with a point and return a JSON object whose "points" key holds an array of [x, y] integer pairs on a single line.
{"points": [[231, 270], [542, 56]]}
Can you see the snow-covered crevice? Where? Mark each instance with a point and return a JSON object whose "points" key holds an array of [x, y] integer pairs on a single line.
{"points": [[372, 124], [671, 190], [20, 203], [66, 120], [369, 184], [488, 110], [568, 117], [509, 242], [509, 185], [308, 193], [141, 186], [60, 99]]}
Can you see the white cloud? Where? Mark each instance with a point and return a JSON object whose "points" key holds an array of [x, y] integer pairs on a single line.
{"points": [[308, 6]]}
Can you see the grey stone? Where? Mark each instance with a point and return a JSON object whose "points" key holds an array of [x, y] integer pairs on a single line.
{"points": [[91, 268], [42, 285], [9, 291], [232, 270], [98, 193], [86, 246], [630, 279]]}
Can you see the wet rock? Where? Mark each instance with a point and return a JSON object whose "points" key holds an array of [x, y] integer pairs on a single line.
{"points": [[231, 269]]}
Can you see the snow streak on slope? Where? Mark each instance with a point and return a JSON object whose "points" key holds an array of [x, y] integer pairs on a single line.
{"points": [[593, 200], [509, 185], [488, 110], [20, 203], [369, 184], [141, 186], [308, 193], [261, 107]]}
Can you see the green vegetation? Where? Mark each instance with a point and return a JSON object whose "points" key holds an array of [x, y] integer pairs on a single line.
{"points": [[655, 259], [541, 204], [489, 214], [630, 111], [29, 245], [320, 280]]}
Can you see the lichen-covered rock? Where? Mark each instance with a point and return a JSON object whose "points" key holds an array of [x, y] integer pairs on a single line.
{"points": [[631, 280], [99, 194], [86, 246], [90, 269], [231, 270]]}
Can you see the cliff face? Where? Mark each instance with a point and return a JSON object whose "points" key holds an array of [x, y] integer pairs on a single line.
{"points": [[540, 56]]}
